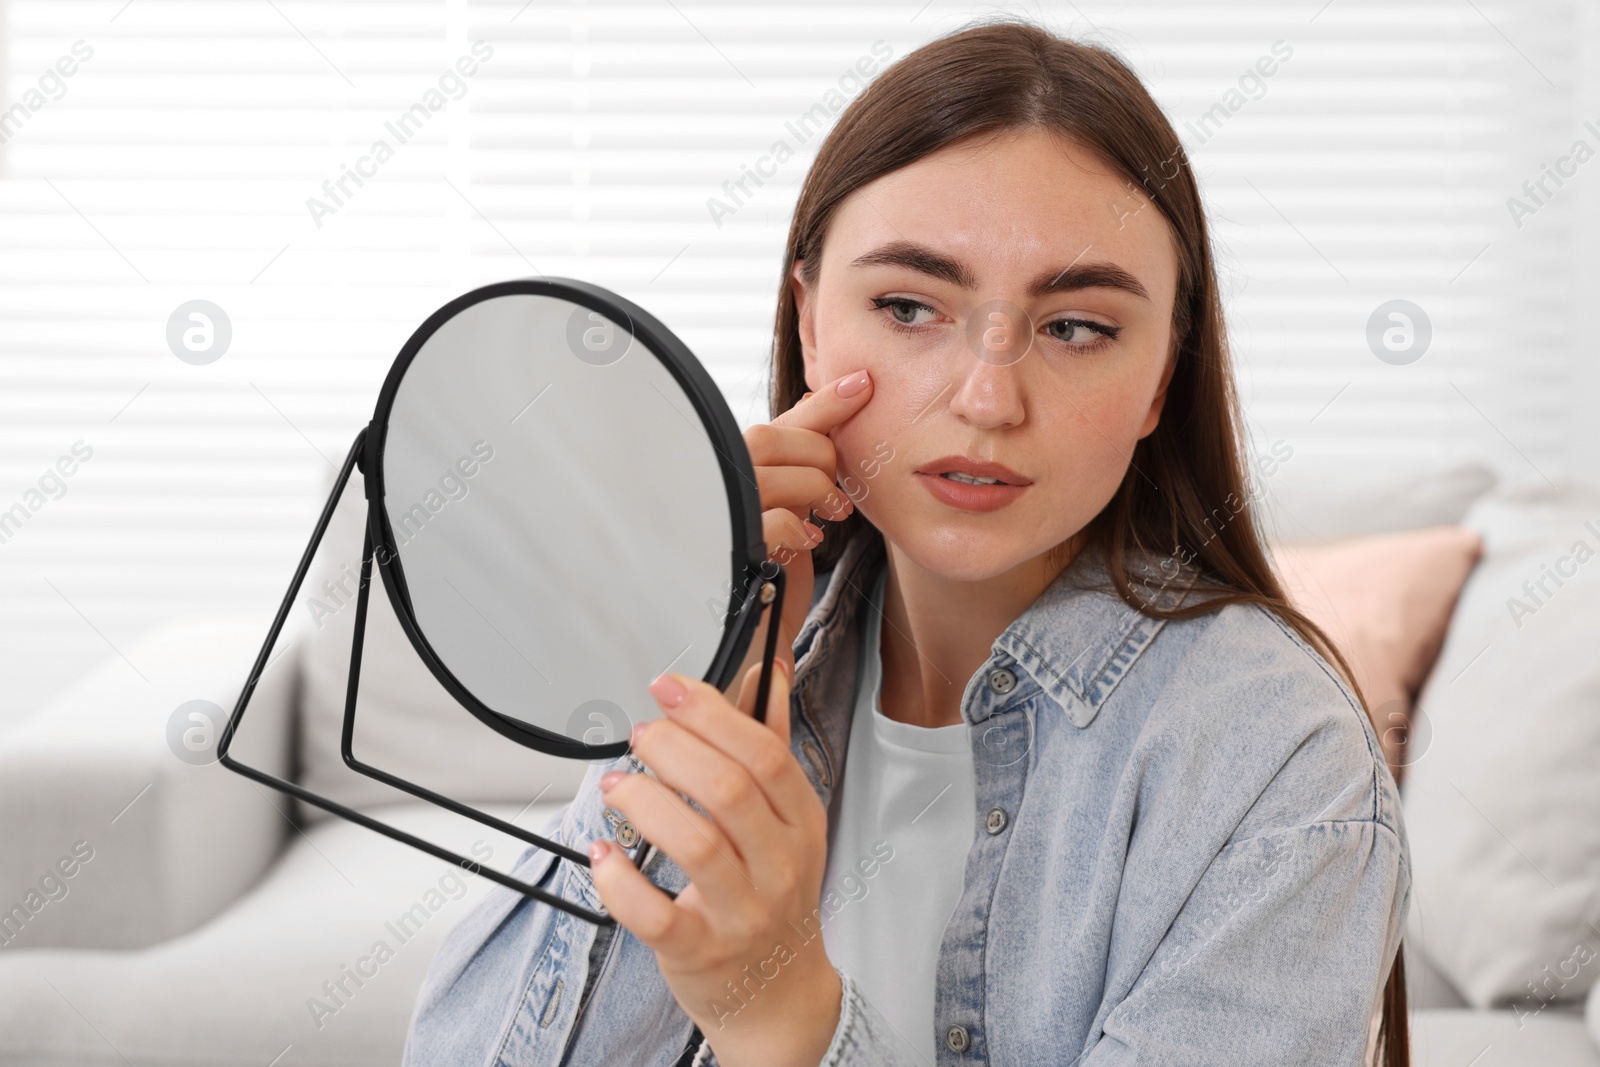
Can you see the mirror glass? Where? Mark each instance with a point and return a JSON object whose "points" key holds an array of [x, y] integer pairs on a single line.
{"points": [[559, 514]]}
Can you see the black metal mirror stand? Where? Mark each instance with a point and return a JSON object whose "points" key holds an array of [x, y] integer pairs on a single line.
{"points": [[767, 592]]}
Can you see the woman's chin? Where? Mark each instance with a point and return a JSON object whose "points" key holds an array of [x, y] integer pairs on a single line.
{"points": [[959, 555]]}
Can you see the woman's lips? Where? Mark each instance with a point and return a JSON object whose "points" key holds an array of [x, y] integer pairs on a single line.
{"points": [[970, 497], [975, 467]]}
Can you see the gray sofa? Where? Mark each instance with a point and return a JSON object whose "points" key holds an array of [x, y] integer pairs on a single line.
{"points": [[209, 920], [206, 920]]}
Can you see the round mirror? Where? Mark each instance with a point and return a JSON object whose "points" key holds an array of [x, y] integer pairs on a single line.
{"points": [[562, 508]]}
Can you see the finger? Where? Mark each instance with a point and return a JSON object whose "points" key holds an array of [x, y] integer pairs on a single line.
{"points": [[802, 489], [778, 689], [693, 841], [782, 530], [770, 444], [761, 748], [747, 688], [684, 762], [752, 680], [827, 407], [641, 905]]}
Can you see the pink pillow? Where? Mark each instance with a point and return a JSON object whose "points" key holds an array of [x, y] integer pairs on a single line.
{"points": [[1385, 602]]}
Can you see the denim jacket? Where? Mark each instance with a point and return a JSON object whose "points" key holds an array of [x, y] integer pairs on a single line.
{"points": [[1188, 850]]}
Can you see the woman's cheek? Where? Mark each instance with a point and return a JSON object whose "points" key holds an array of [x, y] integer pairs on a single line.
{"points": [[853, 451], [843, 347], [1114, 408], [1091, 451]]}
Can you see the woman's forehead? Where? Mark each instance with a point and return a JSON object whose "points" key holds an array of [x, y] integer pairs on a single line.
{"points": [[1009, 208]]}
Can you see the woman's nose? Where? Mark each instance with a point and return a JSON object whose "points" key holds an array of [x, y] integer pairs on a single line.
{"points": [[989, 395]]}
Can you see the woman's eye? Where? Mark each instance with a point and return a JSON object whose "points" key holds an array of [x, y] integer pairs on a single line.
{"points": [[904, 312], [1081, 331], [907, 314]]}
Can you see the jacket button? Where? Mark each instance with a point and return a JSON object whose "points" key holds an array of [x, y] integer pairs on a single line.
{"points": [[956, 1037], [995, 821], [1002, 681], [627, 836]]}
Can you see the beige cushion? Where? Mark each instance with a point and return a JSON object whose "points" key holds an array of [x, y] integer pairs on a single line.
{"points": [[406, 723], [1385, 602]]}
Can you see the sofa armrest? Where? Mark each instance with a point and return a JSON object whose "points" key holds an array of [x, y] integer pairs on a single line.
{"points": [[108, 839]]}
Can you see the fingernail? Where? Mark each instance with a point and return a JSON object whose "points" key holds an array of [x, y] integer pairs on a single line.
{"points": [[788, 671], [813, 531], [597, 852], [853, 384], [636, 733], [609, 779], [668, 690]]}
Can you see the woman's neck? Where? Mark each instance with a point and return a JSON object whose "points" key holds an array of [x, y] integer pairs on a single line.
{"points": [[937, 632]]}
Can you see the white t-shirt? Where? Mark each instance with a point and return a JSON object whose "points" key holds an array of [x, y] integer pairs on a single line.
{"points": [[895, 864]]}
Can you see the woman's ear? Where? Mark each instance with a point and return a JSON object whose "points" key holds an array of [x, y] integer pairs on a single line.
{"points": [[805, 317], [1153, 416]]}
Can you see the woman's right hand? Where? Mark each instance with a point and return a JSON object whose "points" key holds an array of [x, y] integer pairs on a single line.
{"points": [[796, 471]]}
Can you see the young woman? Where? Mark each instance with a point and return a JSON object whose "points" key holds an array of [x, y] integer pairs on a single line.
{"points": [[1062, 778]]}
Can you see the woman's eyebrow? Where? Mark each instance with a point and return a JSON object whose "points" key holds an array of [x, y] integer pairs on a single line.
{"points": [[935, 264]]}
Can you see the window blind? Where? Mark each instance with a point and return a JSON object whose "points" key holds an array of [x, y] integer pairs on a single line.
{"points": [[227, 152]]}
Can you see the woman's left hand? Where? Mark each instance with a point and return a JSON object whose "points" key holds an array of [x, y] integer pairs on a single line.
{"points": [[740, 946]]}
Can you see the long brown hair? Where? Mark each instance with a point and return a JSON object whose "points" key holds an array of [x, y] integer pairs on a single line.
{"points": [[1185, 493]]}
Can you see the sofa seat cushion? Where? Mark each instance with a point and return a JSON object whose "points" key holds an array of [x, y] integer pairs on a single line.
{"points": [[319, 964], [1554, 1037]]}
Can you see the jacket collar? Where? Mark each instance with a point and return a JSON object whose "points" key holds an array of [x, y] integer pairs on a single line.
{"points": [[1074, 643], [1079, 638]]}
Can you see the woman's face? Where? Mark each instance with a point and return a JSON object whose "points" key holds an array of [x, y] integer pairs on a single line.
{"points": [[1012, 300]]}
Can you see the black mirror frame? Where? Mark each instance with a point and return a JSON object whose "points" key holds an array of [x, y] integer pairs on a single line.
{"points": [[758, 583], [738, 477]]}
